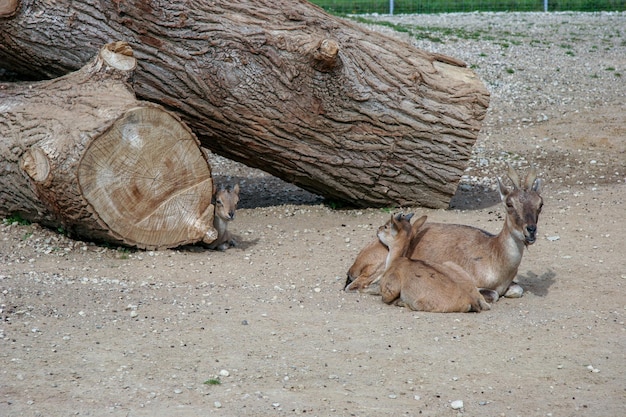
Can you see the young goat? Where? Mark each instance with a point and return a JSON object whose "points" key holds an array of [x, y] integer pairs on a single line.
{"points": [[368, 268], [226, 199], [421, 285], [491, 261]]}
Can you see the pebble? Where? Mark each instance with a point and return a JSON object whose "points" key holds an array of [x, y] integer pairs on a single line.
{"points": [[224, 372], [456, 405]]}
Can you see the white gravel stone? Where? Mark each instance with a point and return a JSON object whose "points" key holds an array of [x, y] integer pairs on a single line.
{"points": [[456, 405]]}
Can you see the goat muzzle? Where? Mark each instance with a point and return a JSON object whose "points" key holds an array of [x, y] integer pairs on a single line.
{"points": [[530, 234]]}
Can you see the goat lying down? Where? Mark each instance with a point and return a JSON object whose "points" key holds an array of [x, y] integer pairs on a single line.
{"points": [[490, 260], [421, 285]]}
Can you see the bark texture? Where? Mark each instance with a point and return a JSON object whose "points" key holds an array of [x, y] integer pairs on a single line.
{"points": [[80, 152], [279, 85]]}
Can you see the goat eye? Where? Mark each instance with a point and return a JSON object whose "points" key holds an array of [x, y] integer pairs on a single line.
{"points": [[219, 202]]}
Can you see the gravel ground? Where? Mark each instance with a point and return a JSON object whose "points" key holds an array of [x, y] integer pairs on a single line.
{"points": [[265, 328]]}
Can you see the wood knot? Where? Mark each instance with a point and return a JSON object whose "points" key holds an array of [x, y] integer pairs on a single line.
{"points": [[8, 7], [36, 165], [121, 47], [119, 55], [326, 55], [295, 15], [328, 49]]}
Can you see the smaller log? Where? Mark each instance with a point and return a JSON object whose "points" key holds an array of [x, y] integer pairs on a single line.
{"points": [[84, 155]]}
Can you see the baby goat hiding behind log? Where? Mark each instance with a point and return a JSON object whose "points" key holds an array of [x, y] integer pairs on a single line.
{"points": [[491, 261], [226, 199], [420, 285]]}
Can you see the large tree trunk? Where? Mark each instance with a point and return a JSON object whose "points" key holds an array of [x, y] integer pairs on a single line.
{"points": [[81, 153], [280, 85]]}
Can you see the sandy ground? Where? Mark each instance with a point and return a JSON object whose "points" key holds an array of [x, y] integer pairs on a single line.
{"points": [[265, 329]]}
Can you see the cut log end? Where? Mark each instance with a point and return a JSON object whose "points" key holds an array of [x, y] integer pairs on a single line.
{"points": [[8, 7], [147, 179]]}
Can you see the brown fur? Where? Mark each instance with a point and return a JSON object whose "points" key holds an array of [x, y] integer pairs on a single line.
{"points": [[369, 266], [226, 199], [421, 285], [491, 261]]}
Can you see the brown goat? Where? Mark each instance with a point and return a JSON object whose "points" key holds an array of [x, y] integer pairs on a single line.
{"points": [[421, 285], [491, 261], [226, 199]]}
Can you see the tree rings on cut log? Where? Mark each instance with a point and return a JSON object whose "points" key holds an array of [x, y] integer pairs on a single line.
{"points": [[148, 180]]}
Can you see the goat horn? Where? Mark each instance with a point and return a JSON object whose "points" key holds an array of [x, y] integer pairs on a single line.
{"points": [[531, 177], [513, 176]]}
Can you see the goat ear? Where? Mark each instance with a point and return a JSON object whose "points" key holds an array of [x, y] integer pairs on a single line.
{"points": [[504, 192], [419, 222], [236, 188], [513, 176], [537, 185]]}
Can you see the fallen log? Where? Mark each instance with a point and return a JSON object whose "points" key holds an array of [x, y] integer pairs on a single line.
{"points": [[280, 85], [81, 153]]}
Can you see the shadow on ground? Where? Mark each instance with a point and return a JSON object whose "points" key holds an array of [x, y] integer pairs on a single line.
{"points": [[537, 284], [474, 198], [270, 191]]}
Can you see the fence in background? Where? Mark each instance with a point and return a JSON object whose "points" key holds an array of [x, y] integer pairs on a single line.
{"points": [[450, 6]]}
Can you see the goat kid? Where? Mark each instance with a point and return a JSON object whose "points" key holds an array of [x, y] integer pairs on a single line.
{"points": [[421, 285], [369, 266], [226, 199], [491, 261]]}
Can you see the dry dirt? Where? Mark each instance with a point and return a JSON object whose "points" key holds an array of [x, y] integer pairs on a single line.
{"points": [[91, 330]]}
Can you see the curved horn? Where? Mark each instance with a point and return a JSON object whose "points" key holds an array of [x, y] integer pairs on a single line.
{"points": [[530, 178], [513, 176]]}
